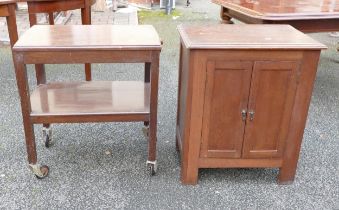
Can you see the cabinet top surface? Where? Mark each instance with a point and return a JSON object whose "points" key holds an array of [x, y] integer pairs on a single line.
{"points": [[89, 37], [251, 36]]}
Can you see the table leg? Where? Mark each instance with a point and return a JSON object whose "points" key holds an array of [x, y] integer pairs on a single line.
{"points": [[51, 18], [11, 25], [225, 19], [151, 162], [21, 77], [86, 20]]}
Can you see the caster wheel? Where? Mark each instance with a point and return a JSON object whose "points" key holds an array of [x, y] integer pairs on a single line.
{"points": [[145, 130], [40, 172], [151, 170], [47, 141], [152, 167], [47, 136]]}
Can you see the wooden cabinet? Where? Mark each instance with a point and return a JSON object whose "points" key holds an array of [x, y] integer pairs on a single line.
{"points": [[243, 101]]}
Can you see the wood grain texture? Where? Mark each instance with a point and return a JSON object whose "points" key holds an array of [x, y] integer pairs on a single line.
{"points": [[4, 2], [299, 116], [239, 163], [89, 37], [48, 6], [271, 100], [284, 9], [226, 96], [216, 84], [305, 15], [79, 102], [96, 97], [39, 6], [7, 9], [257, 37]]}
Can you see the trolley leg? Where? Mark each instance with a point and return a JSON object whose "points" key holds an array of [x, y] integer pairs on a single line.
{"points": [[147, 77], [21, 77], [86, 20], [154, 70], [51, 18]]}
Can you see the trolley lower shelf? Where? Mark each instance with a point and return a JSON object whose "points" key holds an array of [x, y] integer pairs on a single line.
{"points": [[94, 101]]}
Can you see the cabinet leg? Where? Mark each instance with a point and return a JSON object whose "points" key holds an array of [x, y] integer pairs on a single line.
{"points": [[189, 175], [286, 175]]}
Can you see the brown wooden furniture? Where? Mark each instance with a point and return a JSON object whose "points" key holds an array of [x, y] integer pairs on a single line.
{"points": [[244, 93], [50, 6], [304, 15], [74, 102], [7, 9]]}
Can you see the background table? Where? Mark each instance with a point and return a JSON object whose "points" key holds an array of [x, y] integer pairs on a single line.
{"points": [[304, 15], [7, 9]]}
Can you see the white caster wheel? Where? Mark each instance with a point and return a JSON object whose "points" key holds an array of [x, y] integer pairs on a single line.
{"points": [[40, 172], [47, 136], [151, 167], [145, 130]]}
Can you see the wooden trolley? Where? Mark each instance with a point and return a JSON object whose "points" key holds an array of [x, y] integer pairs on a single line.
{"points": [[89, 101]]}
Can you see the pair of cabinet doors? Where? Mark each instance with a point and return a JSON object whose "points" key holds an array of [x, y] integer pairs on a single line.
{"points": [[247, 108]]}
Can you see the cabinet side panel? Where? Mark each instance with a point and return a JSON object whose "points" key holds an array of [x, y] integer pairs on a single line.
{"points": [[183, 90], [299, 116]]}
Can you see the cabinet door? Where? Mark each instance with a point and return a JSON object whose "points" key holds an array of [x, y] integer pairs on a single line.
{"points": [[271, 101], [226, 96]]}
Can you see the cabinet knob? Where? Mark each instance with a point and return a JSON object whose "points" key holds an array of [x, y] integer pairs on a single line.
{"points": [[243, 114], [251, 115]]}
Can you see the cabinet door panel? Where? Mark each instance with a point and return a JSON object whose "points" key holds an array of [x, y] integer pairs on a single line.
{"points": [[227, 92], [271, 101]]}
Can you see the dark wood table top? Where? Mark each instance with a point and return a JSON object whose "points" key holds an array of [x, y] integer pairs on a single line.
{"points": [[2, 2], [284, 9], [258, 36], [89, 37]]}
